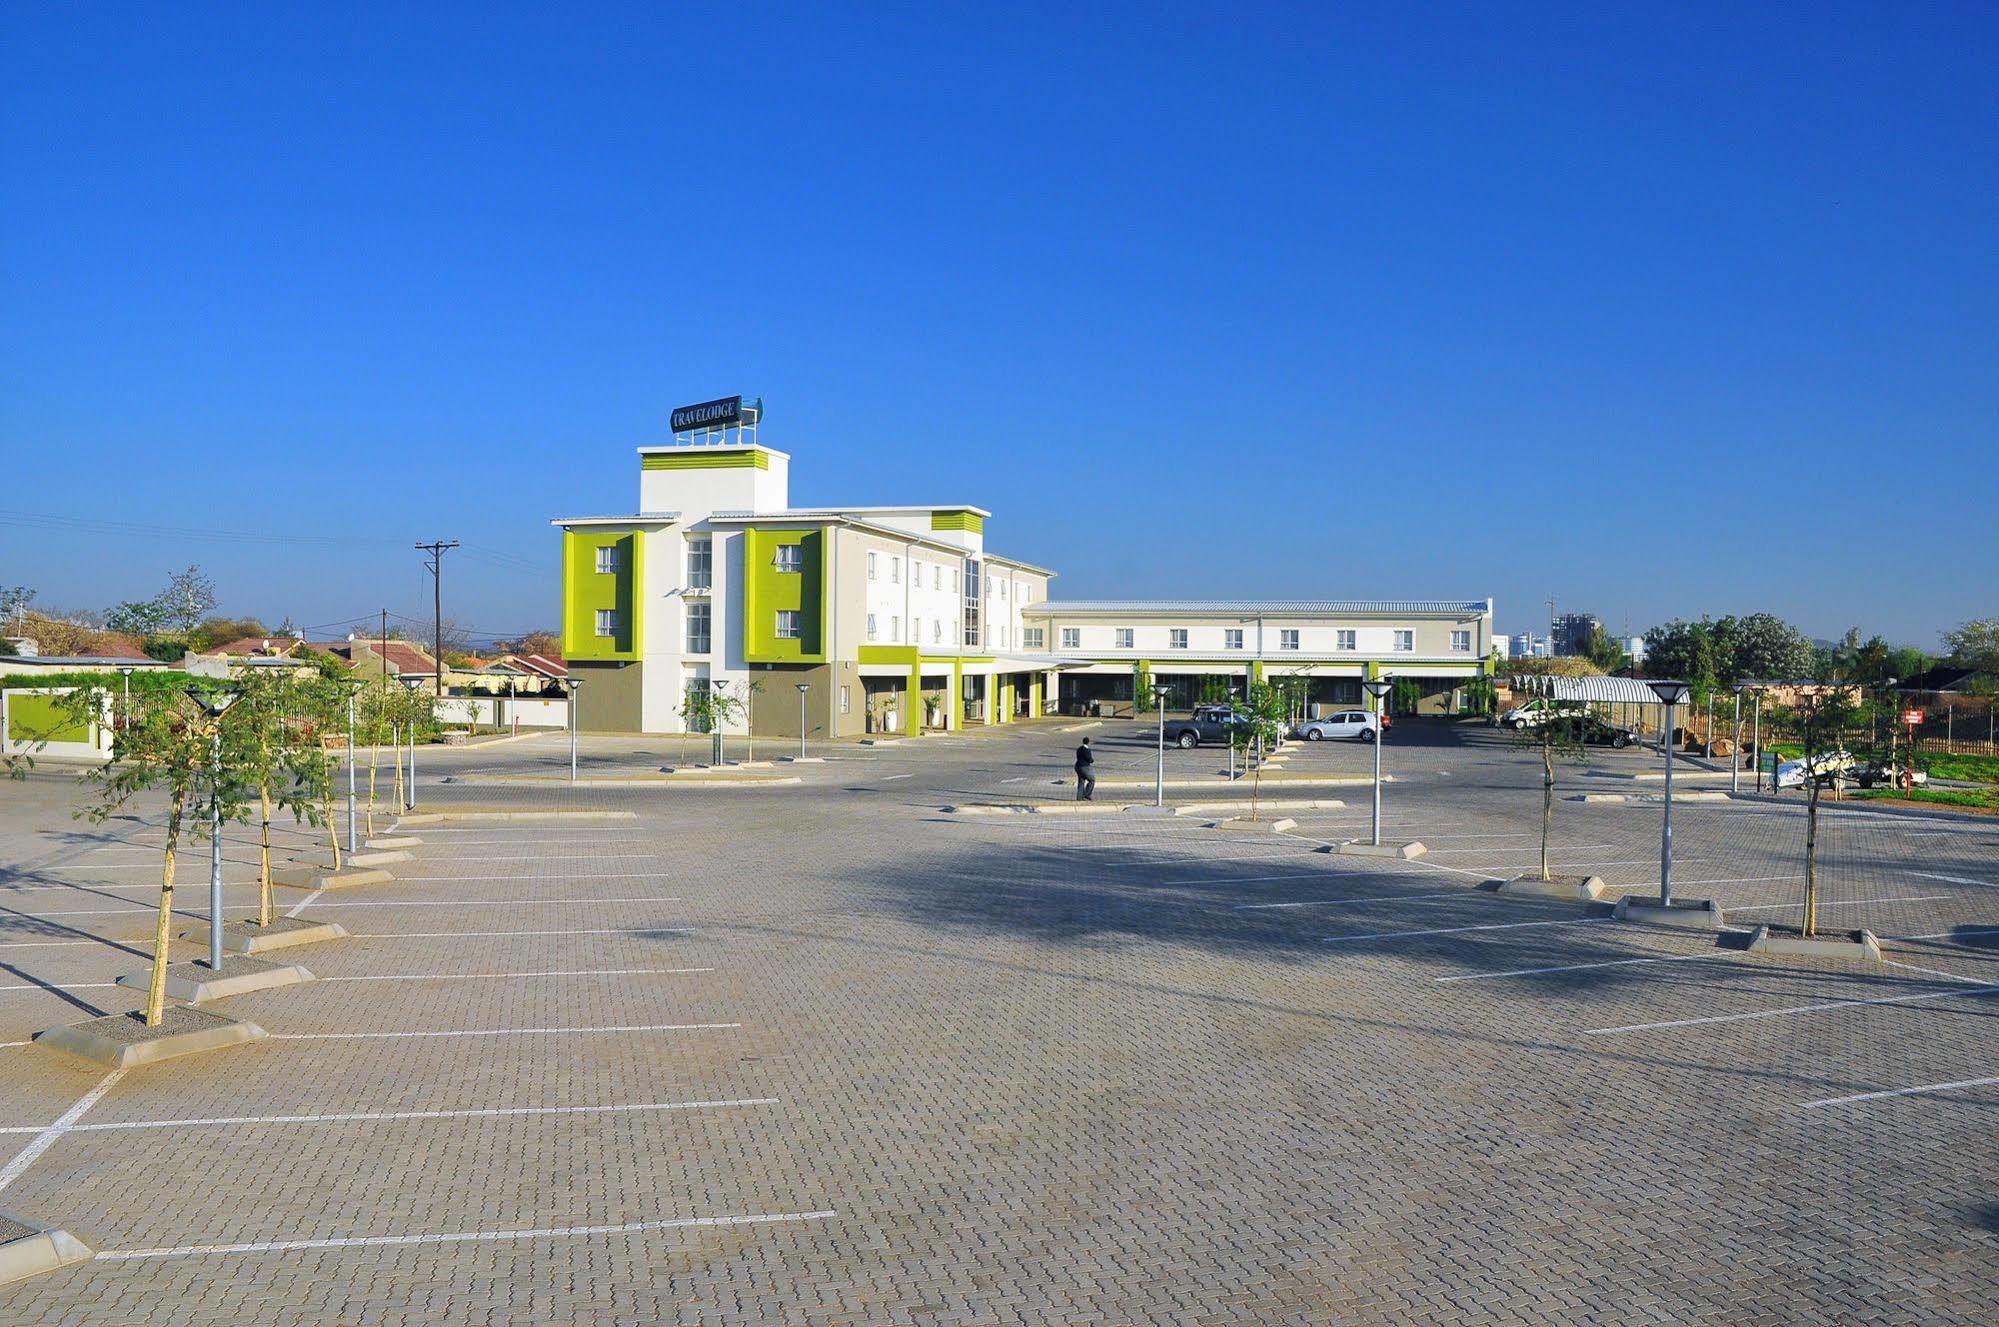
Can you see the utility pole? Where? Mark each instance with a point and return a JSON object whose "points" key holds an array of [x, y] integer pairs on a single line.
{"points": [[436, 568]]}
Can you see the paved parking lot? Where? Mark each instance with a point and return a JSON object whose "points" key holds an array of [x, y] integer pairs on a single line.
{"points": [[829, 1054]]}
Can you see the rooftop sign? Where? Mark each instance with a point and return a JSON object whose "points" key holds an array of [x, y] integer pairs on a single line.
{"points": [[728, 412]]}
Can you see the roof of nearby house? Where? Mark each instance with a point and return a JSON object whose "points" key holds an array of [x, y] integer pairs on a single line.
{"points": [[546, 665], [66, 662], [1944, 677], [1258, 607], [273, 645], [114, 648]]}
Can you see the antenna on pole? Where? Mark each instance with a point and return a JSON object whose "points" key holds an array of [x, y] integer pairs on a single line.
{"points": [[436, 568]]}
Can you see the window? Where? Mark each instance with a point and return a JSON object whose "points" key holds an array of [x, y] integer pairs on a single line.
{"points": [[1344, 640], [1002, 637], [1232, 638], [895, 628], [1072, 638], [871, 626], [936, 631], [937, 577], [698, 619], [871, 564], [607, 559], [916, 572], [1461, 641], [846, 700], [700, 563], [957, 580], [607, 622], [1124, 638], [790, 557], [1405, 641], [1288, 639], [895, 571], [1034, 638], [1176, 639], [787, 624]]}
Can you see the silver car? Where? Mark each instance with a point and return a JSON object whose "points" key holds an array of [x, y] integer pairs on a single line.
{"points": [[1355, 725]]}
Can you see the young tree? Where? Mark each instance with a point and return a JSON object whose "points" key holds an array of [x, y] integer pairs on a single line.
{"points": [[752, 688], [189, 596], [1558, 736], [1824, 712], [14, 601], [1603, 649], [1257, 722], [166, 742], [274, 724]]}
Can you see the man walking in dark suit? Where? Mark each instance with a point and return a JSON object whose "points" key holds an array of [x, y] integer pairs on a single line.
{"points": [[1086, 773]]}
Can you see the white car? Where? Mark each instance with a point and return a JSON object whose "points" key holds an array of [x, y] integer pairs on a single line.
{"points": [[1828, 767], [1531, 715], [1355, 725]]}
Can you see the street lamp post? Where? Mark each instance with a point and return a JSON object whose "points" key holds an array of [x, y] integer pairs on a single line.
{"points": [[715, 747], [353, 833], [1378, 687], [1159, 780], [213, 703], [1756, 737], [1735, 748], [1669, 694], [575, 685], [803, 688]]}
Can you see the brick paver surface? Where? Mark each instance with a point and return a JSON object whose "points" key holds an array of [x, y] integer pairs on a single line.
{"points": [[826, 1054]]}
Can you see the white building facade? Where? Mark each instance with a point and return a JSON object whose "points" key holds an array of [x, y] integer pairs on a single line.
{"points": [[896, 619], [860, 619]]}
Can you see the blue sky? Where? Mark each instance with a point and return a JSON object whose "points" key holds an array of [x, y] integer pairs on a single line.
{"points": [[1658, 312]]}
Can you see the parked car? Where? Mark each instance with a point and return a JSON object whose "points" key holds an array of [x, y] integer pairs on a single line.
{"points": [[1210, 723], [1880, 773], [1352, 725], [1600, 732], [1828, 768], [1529, 714]]}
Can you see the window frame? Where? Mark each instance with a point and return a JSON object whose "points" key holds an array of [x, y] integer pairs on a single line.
{"points": [[797, 624], [789, 559]]}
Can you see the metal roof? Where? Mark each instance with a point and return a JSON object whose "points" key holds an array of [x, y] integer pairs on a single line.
{"points": [[1597, 690], [1262, 607], [638, 518]]}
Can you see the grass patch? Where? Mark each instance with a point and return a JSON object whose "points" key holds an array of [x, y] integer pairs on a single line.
{"points": [[1969, 769], [1976, 799]]}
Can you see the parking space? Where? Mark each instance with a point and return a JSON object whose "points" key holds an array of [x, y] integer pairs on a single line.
{"points": [[828, 1054]]}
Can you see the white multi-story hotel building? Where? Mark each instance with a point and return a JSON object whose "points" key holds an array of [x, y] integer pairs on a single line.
{"points": [[897, 618]]}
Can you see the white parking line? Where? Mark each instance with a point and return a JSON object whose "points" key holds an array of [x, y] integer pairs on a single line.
{"points": [[1535, 847], [372, 1116], [555, 857], [587, 875], [1899, 1092], [1839, 903], [557, 972], [1246, 879], [1791, 1009], [490, 902], [46, 1137], [543, 1232], [499, 1032], [1457, 930], [47, 944], [1375, 898], [1957, 879], [467, 935], [1581, 967]]}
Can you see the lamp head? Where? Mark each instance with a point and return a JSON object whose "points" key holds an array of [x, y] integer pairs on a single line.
{"points": [[1378, 686], [1670, 692], [213, 703]]}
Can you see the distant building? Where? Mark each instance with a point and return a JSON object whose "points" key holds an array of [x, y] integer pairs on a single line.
{"points": [[1635, 647], [1526, 645], [1573, 632]]}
